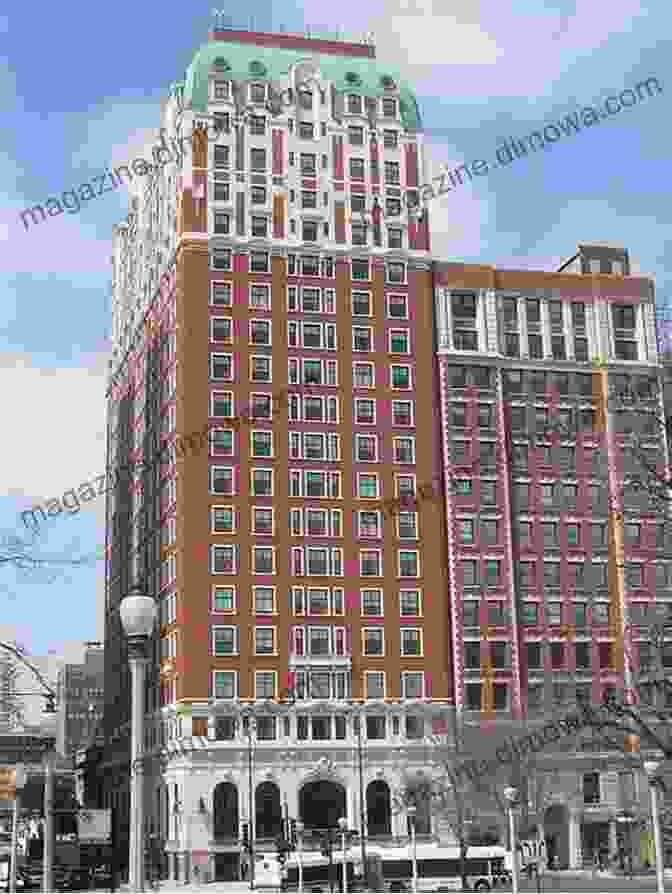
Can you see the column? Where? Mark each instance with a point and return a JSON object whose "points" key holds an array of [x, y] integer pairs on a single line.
{"points": [[545, 328], [613, 838], [575, 856]]}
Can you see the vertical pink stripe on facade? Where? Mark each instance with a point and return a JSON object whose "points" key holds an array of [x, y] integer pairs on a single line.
{"points": [[277, 152], [411, 163], [428, 684]]}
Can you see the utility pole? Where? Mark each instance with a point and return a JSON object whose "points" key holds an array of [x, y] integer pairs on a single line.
{"points": [[362, 803]]}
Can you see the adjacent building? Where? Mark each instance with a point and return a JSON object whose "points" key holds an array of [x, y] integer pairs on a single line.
{"points": [[80, 700]]}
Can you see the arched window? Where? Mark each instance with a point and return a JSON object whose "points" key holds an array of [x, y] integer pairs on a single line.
{"points": [[225, 810], [268, 812], [378, 809]]}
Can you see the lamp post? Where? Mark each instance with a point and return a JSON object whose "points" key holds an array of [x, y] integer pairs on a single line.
{"points": [[19, 782], [49, 728], [651, 768], [412, 810], [627, 819], [138, 617], [511, 798], [299, 853], [343, 826], [362, 803], [251, 729]]}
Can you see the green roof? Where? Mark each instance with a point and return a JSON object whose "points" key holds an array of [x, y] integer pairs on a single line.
{"points": [[275, 64]]}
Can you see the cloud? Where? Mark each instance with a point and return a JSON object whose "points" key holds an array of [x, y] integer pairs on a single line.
{"points": [[61, 411]]}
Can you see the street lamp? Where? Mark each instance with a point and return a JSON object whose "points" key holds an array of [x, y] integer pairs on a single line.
{"points": [[628, 819], [19, 783], [48, 725], [299, 853], [343, 826], [411, 811], [511, 798], [651, 769], [251, 730], [138, 617]]}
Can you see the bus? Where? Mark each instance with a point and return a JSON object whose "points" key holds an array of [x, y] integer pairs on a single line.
{"points": [[439, 868], [319, 873]]}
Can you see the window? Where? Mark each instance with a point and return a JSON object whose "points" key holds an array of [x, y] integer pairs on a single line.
{"points": [[534, 658], [306, 130], [224, 641], [221, 157], [221, 259], [394, 237], [262, 443], [260, 332], [223, 519], [224, 599], [264, 686], [221, 89], [372, 602], [473, 696], [389, 108], [308, 164], [463, 487], [492, 572], [258, 159], [550, 534], [264, 640], [392, 172], [402, 412], [264, 600], [357, 168], [409, 602], [258, 195], [395, 272], [361, 304], [530, 614], [221, 329], [223, 559], [221, 294], [552, 575], [598, 535], [222, 189], [365, 411], [489, 532], [262, 520], [469, 573], [554, 613], [259, 262], [411, 642], [373, 641], [375, 684], [413, 686], [408, 563], [309, 230], [404, 450], [399, 341], [465, 527], [367, 487], [369, 524], [356, 135], [360, 269], [221, 481], [225, 684], [262, 482], [362, 338], [370, 563], [222, 221], [260, 369], [397, 307], [582, 655], [407, 525], [390, 139], [221, 367]]}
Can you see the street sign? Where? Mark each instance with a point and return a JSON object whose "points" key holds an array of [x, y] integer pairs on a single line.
{"points": [[7, 783]]}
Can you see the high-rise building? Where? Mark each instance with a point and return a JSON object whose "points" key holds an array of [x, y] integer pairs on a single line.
{"points": [[274, 289], [80, 700], [556, 555]]}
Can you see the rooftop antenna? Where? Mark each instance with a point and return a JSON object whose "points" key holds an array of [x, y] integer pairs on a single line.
{"points": [[219, 15]]}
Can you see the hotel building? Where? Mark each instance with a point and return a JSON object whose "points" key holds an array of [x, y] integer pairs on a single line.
{"points": [[272, 285]]}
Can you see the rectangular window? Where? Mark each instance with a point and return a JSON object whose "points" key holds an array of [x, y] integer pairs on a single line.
{"points": [[373, 642], [265, 686], [225, 684], [224, 641], [264, 600], [224, 600], [223, 520], [221, 294], [409, 601], [375, 684], [264, 640], [411, 642], [372, 602]]}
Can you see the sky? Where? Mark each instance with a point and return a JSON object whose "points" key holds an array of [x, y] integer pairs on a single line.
{"points": [[77, 97]]}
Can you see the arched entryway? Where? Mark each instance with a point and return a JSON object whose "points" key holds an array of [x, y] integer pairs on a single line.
{"points": [[556, 833], [268, 812], [225, 810], [378, 809], [322, 804]]}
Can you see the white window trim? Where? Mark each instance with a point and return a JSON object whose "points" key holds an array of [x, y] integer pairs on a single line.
{"points": [[267, 357], [387, 305], [255, 344], [273, 553], [395, 331], [358, 438], [230, 469], [221, 546], [270, 509], [368, 316], [394, 449], [304, 520], [375, 411], [220, 251], [266, 396], [261, 431], [379, 525], [376, 673], [260, 496], [371, 366], [215, 355], [308, 591], [380, 629], [419, 570], [410, 377], [260, 285], [379, 590], [320, 298], [371, 341], [222, 282], [380, 562], [404, 281], [275, 684], [254, 601], [312, 549], [405, 475], [216, 393], [221, 341], [272, 654], [211, 442], [411, 590], [235, 685], [234, 530], [368, 475], [236, 644], [407, 539], [422, 644], [302, 591], [213, 602], [404, 675]]}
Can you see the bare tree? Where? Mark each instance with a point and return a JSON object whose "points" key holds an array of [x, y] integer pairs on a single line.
{"points": [[26, 554]]}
